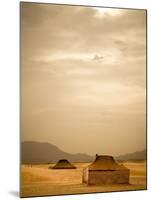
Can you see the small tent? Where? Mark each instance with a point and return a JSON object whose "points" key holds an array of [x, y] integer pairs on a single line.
{"points": [[64, 164], [105, 170]]}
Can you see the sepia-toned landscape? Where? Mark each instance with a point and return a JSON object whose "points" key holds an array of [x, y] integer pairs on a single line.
{"points": [[83, 99], [44, 179], [38, 180]]}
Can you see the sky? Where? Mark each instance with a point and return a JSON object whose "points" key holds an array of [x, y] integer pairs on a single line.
{"points": [[83, 78]]}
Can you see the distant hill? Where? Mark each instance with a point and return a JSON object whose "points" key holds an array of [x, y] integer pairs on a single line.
{"points": [[138, 155], [37, 152]]}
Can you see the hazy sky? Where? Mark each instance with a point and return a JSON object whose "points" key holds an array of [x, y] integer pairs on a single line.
{"points": [[84, 78]]}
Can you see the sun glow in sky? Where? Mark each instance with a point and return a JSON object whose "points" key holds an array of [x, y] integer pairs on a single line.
{"points": [[107, 11]]}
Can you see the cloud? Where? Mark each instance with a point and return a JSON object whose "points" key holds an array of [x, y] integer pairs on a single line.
{"points": [[79, 64], [97, 57]]}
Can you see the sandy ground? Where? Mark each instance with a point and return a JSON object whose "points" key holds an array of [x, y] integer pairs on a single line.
{"points": [[38, 180]]}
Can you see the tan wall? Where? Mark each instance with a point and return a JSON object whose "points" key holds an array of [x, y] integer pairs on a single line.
{"points": [[108, 177], [85, 176]]}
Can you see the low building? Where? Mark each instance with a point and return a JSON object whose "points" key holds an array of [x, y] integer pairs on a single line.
{"points": [[63, 164], [105, 170]]}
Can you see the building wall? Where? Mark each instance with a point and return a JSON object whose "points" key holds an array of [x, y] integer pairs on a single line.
{"points": [[106, 177], [85, 175]]}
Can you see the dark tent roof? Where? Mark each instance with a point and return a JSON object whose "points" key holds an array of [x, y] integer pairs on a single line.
{"points": [[105, 163], [64, 164]]}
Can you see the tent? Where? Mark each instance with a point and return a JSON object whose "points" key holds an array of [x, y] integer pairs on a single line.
{"points": [[105, 170], [64, 164]]}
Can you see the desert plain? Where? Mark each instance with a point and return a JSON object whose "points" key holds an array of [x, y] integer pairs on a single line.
{"points": [[38, 180]]}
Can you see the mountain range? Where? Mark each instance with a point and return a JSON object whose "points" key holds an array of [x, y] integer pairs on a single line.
{"points": [[138, 155], [38, 152]]}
